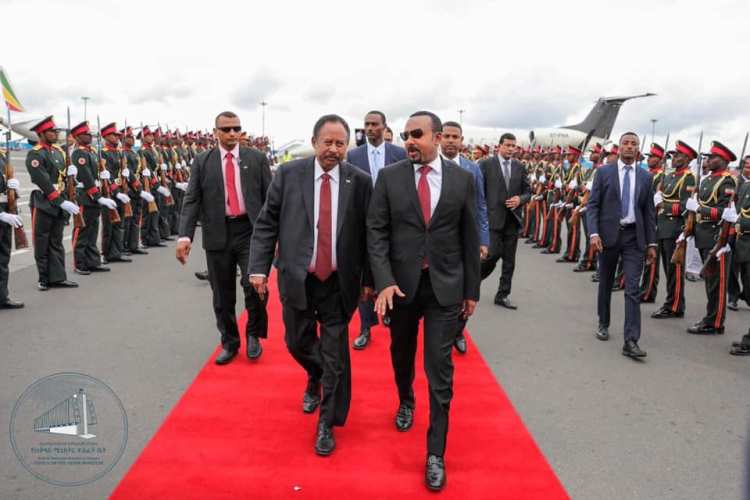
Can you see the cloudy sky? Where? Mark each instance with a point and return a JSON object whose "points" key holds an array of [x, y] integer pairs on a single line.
{"points": [[518, 65]]}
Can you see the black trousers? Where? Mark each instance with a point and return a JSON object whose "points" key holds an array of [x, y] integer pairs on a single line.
{"points": [[149, 225], [716, 275], [675, 275], [503, 246], [222, 274], [734, 288], [325, 358], [113, 234], [85, 252], [165, 213], [439, 335], [48, 248], [744, 276], [632, 264], [174, 216], [6, 242], [573, 249], [131, 227]]}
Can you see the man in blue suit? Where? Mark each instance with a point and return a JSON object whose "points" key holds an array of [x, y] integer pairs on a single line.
{"points": [[620, 218], [450, 147], [372, 157]]}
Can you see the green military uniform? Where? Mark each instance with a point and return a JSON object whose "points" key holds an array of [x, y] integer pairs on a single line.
{"points": [[149, 168], [46, 165], [677, 187], [164, 202], [573, 240], [6, 234], [650, 276], [742, 255], [113, 233], [588, 259], [86, 256], [131, 225], [551, 236]]}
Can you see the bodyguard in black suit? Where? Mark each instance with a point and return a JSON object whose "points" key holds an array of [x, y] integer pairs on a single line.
{"points": [[226, 191], [621, 218], [315, 211], [423, 242], [507, 190]]}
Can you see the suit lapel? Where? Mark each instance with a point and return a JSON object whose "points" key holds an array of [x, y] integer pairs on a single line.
{"points": [[411, 188], [244, 175], [498, 167], [307, 181], [345, 188], [214, 162]]}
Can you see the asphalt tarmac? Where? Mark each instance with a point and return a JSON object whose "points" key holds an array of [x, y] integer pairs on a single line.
{"points": [[674, 426]]}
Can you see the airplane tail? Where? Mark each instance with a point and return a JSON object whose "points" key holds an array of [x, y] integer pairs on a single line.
{"points": [[601, 119]]}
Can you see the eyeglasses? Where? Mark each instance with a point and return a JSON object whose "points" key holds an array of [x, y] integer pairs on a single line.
{"points": [[226, 130], [416, 134]]}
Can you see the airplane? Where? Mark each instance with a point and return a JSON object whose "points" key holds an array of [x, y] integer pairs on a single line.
{"points": [[597, 127]]}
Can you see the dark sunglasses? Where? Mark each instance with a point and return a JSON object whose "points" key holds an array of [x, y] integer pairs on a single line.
{"points": [[226, 130], [416, 133]]}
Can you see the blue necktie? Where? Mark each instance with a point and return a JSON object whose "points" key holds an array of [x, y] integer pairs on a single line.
{"points": [[625, 202]]}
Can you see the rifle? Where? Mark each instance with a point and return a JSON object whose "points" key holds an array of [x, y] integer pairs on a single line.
{"points": [[127, 208], [744, 148], [18, 232], [70, 184], [114, 216], [146, 181], [162, 177]]}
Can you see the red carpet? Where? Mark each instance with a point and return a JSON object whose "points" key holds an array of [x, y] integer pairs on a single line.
{"points": [[239, 432]]}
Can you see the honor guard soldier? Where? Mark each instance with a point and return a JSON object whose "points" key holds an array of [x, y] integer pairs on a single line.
{"points": [[650, 278], [588, 259], [714, 196], [676, 188], [49, 206], [573, 181], [86, 256], [8, 221], [742, 252], [113, 233], [130, 176], [149, 170], [163, 194]]}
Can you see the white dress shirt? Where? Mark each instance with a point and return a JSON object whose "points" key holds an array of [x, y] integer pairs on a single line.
{"points": [[237, 182], [434, 180], [630, 217], [318, 181], [376, 157]]}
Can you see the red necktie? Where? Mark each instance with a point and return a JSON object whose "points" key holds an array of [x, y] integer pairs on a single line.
{"points": [[232, 199], [423, 190], [323, 260]]}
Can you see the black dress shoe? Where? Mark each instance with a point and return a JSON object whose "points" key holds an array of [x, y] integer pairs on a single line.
{"points": [[580, 269], [99, 269], [202, 275], [461, 344], [168, 238], [602, 333], [666, 313], [631, 350], [703, 329], [739, 349], [63, 284], [138, 251], [225, 357], [693, 277], [434, 474], [505, 302], [82, 272], [595, 278], [11, 304], [324, 442], [118, 259], [43, 286], [311, 398], [254, 349], [732, 305], [362, 339], [404, 418], [563, 259]]}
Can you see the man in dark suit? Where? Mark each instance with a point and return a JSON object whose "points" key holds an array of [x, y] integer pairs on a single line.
{"points": [[315, 211], [372, 157], [507, 189], [424, 251], [621, 217], [226, 191]]}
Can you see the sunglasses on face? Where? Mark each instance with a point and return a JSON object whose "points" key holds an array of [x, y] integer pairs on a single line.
{"points": [[226, 130], [416, 134]]}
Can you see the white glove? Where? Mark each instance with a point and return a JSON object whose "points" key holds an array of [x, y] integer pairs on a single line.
{"points": [[729, 214], [542, 179], [125, 173], [658, 198], [692, 204], [104, 175], [72, 171], [681, 237], [147, 197], [178, 166], [107, 203], [558, 184], [723, 250], [11, 219], [164, 191], [573, 184], [182, 186], [589, 185], [164, 167], [145, 173], [183, 163], [123, 198], [13, 184], [569, 205], [582, 209], [70, 207]]}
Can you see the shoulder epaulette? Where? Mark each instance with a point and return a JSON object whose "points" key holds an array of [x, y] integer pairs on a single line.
{"points": [[37, 147], [58, 148]]}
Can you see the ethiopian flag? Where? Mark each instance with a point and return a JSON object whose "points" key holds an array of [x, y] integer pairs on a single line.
{"points": [[10, 97]]}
